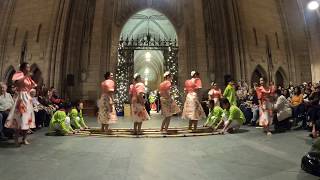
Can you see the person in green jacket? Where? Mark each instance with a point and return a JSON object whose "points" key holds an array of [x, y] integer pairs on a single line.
{"points": [[230, 93], [233, 117], [215, 116], [82, 121], [60, 122], [76, 117]]}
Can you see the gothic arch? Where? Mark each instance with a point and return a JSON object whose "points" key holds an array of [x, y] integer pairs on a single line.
{"points": [[258, 73], [123, 19], [280, 77], [8, 75]]}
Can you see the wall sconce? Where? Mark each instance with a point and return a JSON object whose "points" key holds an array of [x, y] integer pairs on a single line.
{"points": [[212, 76], [83, 76]]}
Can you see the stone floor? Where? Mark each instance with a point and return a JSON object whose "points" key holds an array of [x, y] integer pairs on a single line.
{"points": [[248, 155]]}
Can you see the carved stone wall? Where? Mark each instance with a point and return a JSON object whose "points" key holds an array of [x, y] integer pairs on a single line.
{"points": [[216, 37]]}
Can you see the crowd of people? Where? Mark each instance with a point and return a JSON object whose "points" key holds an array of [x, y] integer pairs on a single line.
{"points": [[26, 107], [292, 107]]}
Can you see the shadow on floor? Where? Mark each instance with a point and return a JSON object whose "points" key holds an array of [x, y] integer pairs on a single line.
{"points": [[240, 131], [6, 144]]}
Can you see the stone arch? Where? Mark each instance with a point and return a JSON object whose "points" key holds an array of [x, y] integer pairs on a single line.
{"points": [[8, 75], [258, 73], [280, 77], [122, 21]]}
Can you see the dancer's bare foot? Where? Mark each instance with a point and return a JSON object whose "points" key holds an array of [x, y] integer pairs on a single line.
{"points": [[25, 142], [164, 132], [269, 133]]}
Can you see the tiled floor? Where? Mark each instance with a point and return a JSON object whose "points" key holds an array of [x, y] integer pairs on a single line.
{"points": [[248, 155]]}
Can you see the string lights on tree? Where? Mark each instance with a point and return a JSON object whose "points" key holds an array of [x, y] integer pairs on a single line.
{"points": [[125, 71], [171, 65], [122, 80]]}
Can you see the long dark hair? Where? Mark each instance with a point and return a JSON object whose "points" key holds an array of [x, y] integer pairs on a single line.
{"points": [[23, 66], [298, 91], [107, 75]]}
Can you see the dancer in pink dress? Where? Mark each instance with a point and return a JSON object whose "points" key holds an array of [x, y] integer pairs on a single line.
{"points": [[139, 113], [21, 116], [168, 106], [215, 94], [193, 110], [107, 113], [265, 106]]}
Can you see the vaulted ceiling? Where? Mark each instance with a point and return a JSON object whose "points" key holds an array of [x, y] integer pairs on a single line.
{"points": [[158, 25], [149, 19]]}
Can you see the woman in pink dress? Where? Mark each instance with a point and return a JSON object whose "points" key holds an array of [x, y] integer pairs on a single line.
{"points": [[168, 105], [21, 116], [215, 94], [107, 113], [265, 106], [139, 113], [193, 110]]}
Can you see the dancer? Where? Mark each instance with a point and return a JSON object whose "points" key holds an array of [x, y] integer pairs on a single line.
{"points": [[21, 116], [169, 106], [215, 116], [215, 94], [265, 107], [77, 120], [82, 121], [60, 122], [193, 110], [139, 113], [233, 117], [230, 93], [107, 112]]}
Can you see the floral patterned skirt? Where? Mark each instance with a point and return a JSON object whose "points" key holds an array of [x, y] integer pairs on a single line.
{"points": [[169, 107], [265, 110], [107, 114], [139, 112], [21, 115], [192, 109]]}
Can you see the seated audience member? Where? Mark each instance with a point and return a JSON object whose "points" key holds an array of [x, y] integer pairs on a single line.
{"points": [[233, 117], [53, 96], [298, 106], [42, 119], [45, 100], [6, 102], [282, 113], [286, 94], [76, 118], [215, 115], [60, 122], [253, 103], [314, 111], [12, 90]]}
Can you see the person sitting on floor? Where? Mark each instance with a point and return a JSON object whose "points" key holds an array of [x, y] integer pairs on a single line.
{"points": [[60, 122], [215, 115], [233, 117], [76, 117], [282, 114]]}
